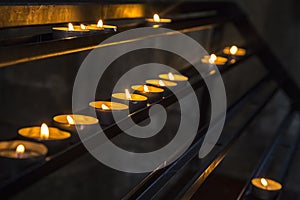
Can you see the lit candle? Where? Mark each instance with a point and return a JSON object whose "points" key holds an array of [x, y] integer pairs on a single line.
{"points": [[166, 85], [213, 59], [153, 94], [178, 78], [156, 21], [234, 51], [70, 31], [70, 122], [17, 155], [135, 101], [264, 188], [104, 110], [100, 26], [54, 138]]}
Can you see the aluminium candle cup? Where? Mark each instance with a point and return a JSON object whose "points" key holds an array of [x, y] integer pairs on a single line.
{"points": [[81, 122], [154, 94], [136, 102], [159, 23], [178, 78], [166, 85], [105, 115], [64, 32], [265, 192], [57, 141], [12, 163], [239, 52]]}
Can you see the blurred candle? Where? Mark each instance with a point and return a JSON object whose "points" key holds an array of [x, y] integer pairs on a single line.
{"points": [[265, 188], [153, 94]]}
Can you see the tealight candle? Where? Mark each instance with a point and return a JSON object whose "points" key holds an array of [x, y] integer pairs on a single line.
{"points": [[265, 188], [234, 51], [178, 78], [54, 138], [19, 154], [100, 26], [156, 21], [153, 94], [104, 110], [166, 85], [71, 122], [70, 31], [136, 101], [213, 59]]}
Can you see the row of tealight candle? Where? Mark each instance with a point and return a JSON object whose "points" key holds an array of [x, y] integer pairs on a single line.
{"points": [[40, 140], [86, 29]]}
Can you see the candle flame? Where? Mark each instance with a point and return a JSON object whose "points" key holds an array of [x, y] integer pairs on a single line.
{"points": [[156, 18], [161, 83], [127, 94], [70, 120], [70, 27], [264, 182], [233, 50], [146, 89], [82, 26], [104, 107], [171, 76], [20, 149], [100, 23], [44, 131], [212, 59]]}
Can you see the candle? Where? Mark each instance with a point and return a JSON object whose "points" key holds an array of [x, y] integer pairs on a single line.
{"points": [[135, 101], [178, 78], [153, 94], [70, 31], [234, 51], [213, 59], [156, 21], [100, 26], [17, 155], [265, 188], [166, 85], [70, 122], [104, 110], [54, 138]]}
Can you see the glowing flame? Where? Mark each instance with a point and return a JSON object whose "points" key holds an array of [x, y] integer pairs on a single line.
{"points": [[70, 120], [212, 59], [161, 83], [171, 76], [156, 18], [127, 94], [70, 27], [233, 50], [100, 23], [20, 149], [146, 89], [264, 182], [104, 107], [44, 131], [82, 26]]}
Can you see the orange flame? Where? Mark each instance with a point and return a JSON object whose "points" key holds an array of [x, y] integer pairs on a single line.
{"points": [[171, 76], [161, 83], [146, 89], [70, 120], [82, 26], [156, 18], [44, 134], [212, 59], [100, 23], [104, 107], [20, 149], [127, 94], [264, 182], [70, 27], [233, 50]]}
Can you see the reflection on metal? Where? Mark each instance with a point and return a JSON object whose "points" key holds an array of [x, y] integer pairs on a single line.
{"points": [[52, 14]]}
